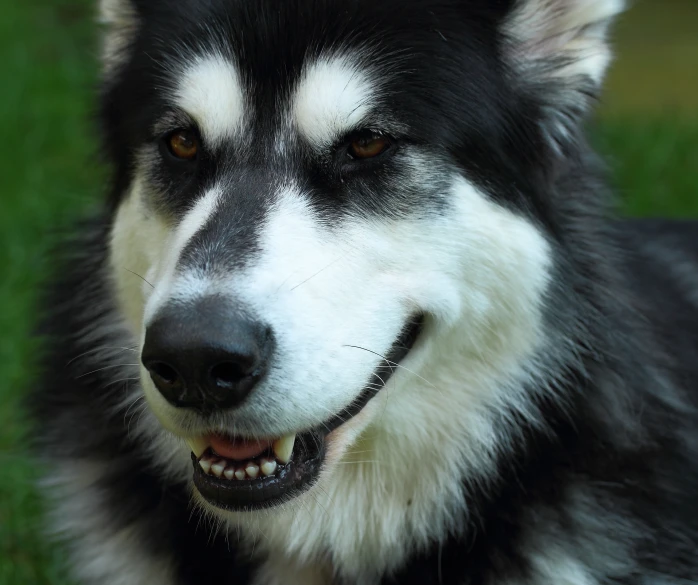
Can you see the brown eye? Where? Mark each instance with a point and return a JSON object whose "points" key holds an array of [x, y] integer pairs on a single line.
{"points": [[183, 144], [368, 147]]}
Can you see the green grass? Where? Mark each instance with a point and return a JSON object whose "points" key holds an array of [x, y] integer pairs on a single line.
{"points": [[654, 162], [49, 176]]}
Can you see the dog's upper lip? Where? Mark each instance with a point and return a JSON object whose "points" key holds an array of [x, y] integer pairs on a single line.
{"points": [[240, 449]]}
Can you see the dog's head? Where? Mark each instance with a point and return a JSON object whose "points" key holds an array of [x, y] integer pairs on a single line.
{"points": [[339, 215]]}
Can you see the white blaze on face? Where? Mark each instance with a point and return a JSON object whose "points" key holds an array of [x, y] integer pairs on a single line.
{"points": [[332, 97], [320, 289]]}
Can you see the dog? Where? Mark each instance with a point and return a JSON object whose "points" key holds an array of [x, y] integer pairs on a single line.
{"points": [[357, 309]]}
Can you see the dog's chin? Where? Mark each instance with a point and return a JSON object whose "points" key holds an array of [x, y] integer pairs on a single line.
{"points": [[245, 474]]}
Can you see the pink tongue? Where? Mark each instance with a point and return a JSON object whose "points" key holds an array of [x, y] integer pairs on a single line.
{"points": [[238, 448]]}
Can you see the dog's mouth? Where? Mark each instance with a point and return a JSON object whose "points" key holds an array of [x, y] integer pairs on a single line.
{"points": [[237, 474]]}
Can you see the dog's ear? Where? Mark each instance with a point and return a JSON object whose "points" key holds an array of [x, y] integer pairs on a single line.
{"points": [[559, 52], [119, 19]]}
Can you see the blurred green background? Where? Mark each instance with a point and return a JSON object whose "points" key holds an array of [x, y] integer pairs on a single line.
{"points": [[647, 126]]}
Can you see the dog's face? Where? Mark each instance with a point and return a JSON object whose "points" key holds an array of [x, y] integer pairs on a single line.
{"points": [[336, 211]]}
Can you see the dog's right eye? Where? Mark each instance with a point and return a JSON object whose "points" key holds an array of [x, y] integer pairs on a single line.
{"points": [[182, 144], [368, 147]]}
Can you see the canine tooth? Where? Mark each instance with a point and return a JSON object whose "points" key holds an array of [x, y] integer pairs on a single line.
{"points": [[283, 448], [252, 470], [268, 466], [197, 445], [229, 473], [218, 468], [240, 474], [205, 465]]}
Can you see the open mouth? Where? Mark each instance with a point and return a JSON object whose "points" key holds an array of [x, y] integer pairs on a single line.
{"points": [[248, 474], [234, 474]]}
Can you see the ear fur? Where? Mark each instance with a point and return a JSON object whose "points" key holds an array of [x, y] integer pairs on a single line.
{"points": [[558, 50], [120, 21]]}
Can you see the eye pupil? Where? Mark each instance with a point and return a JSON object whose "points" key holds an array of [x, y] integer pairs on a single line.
{"points": [[183, 145], [364, 148]]}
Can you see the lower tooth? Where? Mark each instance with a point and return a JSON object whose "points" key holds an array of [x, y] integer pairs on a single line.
{"points": [[268, 466], [229, 473], [205, 465], [252, 470], [218, 468], [240, 474]]}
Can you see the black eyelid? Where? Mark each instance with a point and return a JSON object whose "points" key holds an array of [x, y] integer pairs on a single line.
{"points": [[365, 134]]}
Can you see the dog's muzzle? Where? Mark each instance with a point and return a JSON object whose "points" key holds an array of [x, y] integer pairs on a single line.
{"points": [[207, 357]]}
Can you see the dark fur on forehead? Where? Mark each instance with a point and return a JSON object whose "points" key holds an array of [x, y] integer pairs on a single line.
{"points": [[461, 103]]}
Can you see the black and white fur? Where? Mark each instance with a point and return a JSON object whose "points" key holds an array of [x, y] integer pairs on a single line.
{"points": [[543, 428]]}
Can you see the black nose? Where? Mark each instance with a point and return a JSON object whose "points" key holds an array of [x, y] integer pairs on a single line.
{"points": [[205, 355]]}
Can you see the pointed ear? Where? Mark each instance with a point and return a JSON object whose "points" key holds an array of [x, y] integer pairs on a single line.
{"points": [[119, 19], [558, 49]]}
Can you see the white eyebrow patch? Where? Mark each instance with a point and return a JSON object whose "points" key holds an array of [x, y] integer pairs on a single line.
{"points": [[332, 97], [211, 92]]}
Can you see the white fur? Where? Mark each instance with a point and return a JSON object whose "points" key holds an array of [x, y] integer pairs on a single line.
{"points": [[333, 96], [211, 91], [99, 553], [573, 30]]}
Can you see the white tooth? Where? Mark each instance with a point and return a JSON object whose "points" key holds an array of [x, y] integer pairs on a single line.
{"points": [[252, 469], [205, 465], [197, 445], [268, 466], [283, 448], [240, 473], [218, 468], [229, 472]]}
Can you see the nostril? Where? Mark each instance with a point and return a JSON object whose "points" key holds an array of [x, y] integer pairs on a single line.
{"points": [[228, 374], [164, 372]]}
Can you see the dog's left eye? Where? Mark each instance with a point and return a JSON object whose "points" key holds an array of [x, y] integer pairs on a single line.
{"points": [[368, 147]]}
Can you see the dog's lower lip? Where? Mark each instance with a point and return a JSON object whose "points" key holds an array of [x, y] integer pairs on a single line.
{"points": [[302, 470]]}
